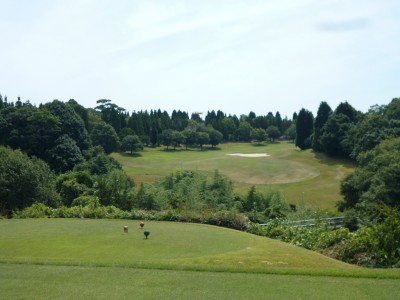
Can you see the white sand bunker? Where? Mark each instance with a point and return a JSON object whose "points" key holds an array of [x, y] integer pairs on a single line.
{"points": [[250, 154]]}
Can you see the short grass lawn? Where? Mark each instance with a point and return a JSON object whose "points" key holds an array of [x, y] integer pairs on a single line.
{"points": [[96, 259]]}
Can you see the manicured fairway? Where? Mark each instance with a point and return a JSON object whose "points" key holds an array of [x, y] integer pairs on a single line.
{"points": [[75, 259], [70, 282], [302, 176]]}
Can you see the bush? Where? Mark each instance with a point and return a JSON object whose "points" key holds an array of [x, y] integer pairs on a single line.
{"points": [[91, 201], [37, 210], [228, 218], [142, 215]]}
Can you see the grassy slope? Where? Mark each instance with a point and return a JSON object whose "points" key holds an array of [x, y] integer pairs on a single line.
{"points": [[302, 176], [171, 245], [59, 258]]}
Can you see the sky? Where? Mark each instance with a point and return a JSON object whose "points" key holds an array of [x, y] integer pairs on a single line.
{"points": [[197, 56]]}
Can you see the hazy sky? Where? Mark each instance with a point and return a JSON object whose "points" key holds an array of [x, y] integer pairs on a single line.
{"points": [[200, 55]]}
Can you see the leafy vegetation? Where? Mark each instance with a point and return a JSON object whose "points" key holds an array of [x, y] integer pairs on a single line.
{"points": [[24, 181], [55, 163]]}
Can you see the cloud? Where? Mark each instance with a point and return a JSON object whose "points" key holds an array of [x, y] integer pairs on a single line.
{"points": [[344, 25]]}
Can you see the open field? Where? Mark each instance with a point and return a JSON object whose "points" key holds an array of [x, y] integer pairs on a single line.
{"points": [[63, 258], [302, 176]]}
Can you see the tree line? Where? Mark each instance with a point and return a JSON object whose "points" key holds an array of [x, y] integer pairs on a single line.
{"points": [[56, 155], [63, 133], [58, 150], [66, 134]]}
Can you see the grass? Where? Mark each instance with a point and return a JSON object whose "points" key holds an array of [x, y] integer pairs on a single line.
{"points": [[170, 245], [69, 282], [302, 176], [64, 258]]}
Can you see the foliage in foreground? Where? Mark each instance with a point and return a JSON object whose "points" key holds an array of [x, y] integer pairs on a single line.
{"points": [[92, 209], [371, 246], [376, 245], [24, 181]]}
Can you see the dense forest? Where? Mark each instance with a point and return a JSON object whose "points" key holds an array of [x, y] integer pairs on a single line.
{"points": [[54, 162]]}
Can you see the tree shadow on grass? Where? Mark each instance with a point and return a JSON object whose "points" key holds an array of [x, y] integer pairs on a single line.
{"points": [[259, 144], [128, 154], [212, 148], [172, 150], [265, 144], [331, 161], [190, 149]]}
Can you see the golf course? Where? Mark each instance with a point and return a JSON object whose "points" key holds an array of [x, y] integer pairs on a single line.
{"points": [[303, 177], [112, 259]]}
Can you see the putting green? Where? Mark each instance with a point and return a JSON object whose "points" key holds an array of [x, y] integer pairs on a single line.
{"points": [[278, 165], [258, 170]]}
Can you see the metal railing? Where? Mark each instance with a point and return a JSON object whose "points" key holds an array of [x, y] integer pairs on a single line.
{"points": [[335, 222]]}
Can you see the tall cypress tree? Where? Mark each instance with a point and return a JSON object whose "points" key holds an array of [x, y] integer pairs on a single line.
{"points": [[324, 111], [304, 129]]}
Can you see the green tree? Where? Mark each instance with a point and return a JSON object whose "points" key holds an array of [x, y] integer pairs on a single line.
{"points": [[105, 136], [64, 155], [376, 178], [324, 111], [291, 132], [334, 133], [125, 132], [131, 143], [190, 137], [42, 131], [243, 133], [273, 132], [279, 122], [115, 188], [74, 184], [178, 139], [304, 129], [24, 181], [346, 109], [258, 134], [179, 120], [153, 135], [98, 162], [71, 123], [112, 114], [215, 136], [167, 137], [379, 123], [252, 200], [202, 138], [15, 126], [80, 111], [228, 128]]}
